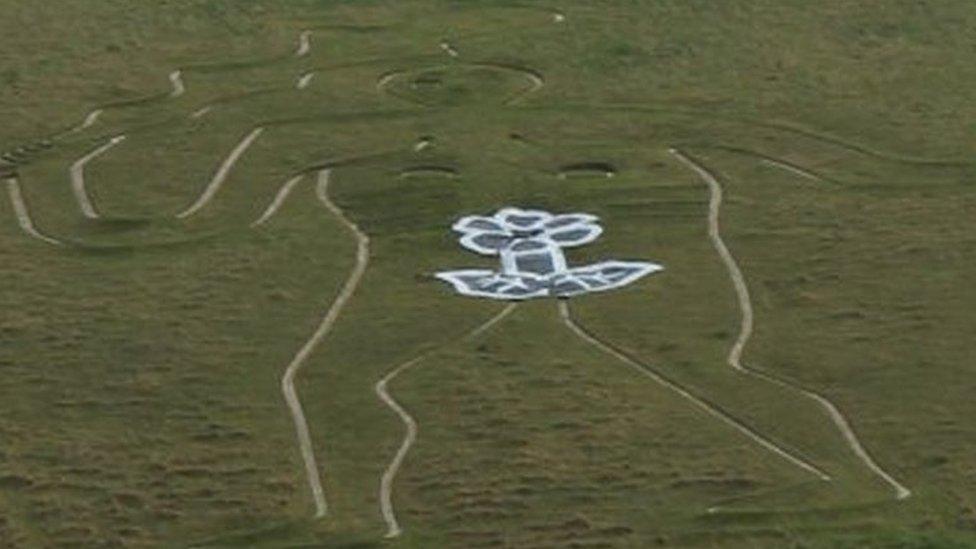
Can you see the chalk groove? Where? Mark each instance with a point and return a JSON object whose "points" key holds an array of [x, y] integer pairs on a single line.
{"points": [[202, 111], [703, 405], [791, 168], [449, 49], [176, 79], [747, 324], [89, 121], [23, 214], [288, 379], [386, 482], [304, 44], [278, 201], [304, 80], [222, 173], [77, 173]]}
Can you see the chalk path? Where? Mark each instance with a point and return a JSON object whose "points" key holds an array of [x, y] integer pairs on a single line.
{"points": [[537, 82], [178, 89], [176, 79], [304, 80], [449, 49], [386, 482], [278, 201], [747, 324], [796, 170], [710, 409], [288, 379], [23, 214], [222, 173], [77, 173], [201, 112], [89, 121], [304, 44]]}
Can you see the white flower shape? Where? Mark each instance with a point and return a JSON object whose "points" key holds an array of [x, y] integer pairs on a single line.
{"points": [[530, 243], [509, 226]]}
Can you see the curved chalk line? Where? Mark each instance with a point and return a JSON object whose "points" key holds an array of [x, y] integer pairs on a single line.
{"points": [[386, 482], [222, 173], [304, 44], [23, 214], [449, 49], [288, 379], [304, 80], [179, 88], [791, 168], [176, 79], [199, 113], [77, 173], [422, 144], [88, 122], [279, 199], [709, 408], [745, 331], [773, 162]]}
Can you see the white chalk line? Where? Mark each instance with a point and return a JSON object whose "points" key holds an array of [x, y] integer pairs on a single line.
{"points": [[77, 173], [23, 214], [422, 144], [386, 482], [304, 44], [385, 79], [89, 121], [202, 111], [747, 324], [792, 169], [304, 80], [703, 405], [222, 173], [449, 49], [537, 83], [288, 379], [176, 79], [278, 201], [176, 82]]}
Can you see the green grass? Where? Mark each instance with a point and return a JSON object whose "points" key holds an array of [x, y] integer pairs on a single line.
{"points": [[141, 365]]}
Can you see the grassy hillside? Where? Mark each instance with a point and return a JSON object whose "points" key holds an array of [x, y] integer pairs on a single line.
{"points": [[143, 349]]}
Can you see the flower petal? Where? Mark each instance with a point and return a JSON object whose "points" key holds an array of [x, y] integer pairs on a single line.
{"points": [[568, 285], [517, 219], [562, 220], [489, 284], [477, 223], [613, 274], [486, 243], [576, 234]]}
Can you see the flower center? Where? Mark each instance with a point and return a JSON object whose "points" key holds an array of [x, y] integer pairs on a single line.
{"points": [[524, 233]]}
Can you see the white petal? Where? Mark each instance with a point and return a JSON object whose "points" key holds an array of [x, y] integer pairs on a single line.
{"points": [[477, 223], [517, 219], [575, 235], [562, 220], [486, 242], [492, 285], [614, 274]]}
